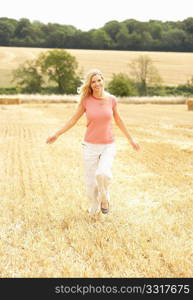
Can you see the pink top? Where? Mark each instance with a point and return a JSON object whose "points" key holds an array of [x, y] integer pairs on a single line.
{"points": [[99, 113]]}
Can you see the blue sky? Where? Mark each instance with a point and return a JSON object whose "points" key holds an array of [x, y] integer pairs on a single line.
{"points": [[88, 14]]}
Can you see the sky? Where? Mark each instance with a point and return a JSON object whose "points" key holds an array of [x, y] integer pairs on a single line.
{"points": [[89, 14]]}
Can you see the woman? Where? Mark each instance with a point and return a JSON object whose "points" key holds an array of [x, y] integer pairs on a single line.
{"points": [[98, 144]]}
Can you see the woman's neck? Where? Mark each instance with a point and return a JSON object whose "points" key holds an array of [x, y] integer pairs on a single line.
{"points": [[99, 94]]}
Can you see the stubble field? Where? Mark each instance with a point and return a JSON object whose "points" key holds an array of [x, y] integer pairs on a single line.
{"points": [[45, 230], [174, 68]]}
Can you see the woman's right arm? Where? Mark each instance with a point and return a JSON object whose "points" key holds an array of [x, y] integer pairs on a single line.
{"points": [[78, 114]]}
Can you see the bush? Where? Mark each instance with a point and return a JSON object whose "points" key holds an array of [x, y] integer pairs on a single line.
{"points": [[179, 90], [8, 90], [184, 89], [28, 77], [121, 85], [156, 90]]}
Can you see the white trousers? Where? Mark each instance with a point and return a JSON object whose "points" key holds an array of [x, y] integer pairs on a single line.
{"points": [[97, 160]]}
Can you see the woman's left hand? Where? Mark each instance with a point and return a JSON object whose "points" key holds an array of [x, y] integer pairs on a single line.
{"points": [[135, 145]]}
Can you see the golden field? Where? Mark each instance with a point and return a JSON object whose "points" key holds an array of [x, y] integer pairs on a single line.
{"points": [[174, 68], [45, 230]]}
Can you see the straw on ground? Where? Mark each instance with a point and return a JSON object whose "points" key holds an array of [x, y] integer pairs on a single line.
{"points": [[44, 227]]}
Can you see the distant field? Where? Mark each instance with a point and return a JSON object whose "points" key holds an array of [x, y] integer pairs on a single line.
{"points": [[174, 68], [45, 230]]}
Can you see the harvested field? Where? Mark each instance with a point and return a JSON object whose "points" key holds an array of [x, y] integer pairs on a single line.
{"points": [[174, 67], [44, 227]]}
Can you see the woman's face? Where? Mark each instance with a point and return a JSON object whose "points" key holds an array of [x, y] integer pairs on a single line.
{"points": [[97, 83]]}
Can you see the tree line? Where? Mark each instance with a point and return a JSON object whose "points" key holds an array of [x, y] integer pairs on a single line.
{"points": [[130, 34], [56, 71]]}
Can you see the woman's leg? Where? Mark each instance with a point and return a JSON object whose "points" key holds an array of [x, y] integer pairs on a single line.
{"points": [[91, 160], [104, 174]]}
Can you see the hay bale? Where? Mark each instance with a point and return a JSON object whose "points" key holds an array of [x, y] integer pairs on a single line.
{"points": [[190, 104], [10, 101]]}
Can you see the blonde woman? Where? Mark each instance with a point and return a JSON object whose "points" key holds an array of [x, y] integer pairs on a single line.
{"points": [[98, 145]]}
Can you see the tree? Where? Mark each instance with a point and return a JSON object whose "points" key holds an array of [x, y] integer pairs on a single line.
{"points": [[28, 77], [188, 25], [60, 67], [58, 36], [24, 33], [127, 35], [21, 30], [122, 37], [146, 41], [6, 31], [83, 40], [121, 85], [100, 39], [112, 28], [155, 28], [144, 73], [132, 25], [57, 65], [134, 41], [174, 40]]}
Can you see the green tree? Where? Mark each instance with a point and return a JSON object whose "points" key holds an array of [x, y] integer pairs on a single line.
{"points": [[28, 77], [22, 28], [100, 39], [39, 35], [155, 28], [60, 67], [24, 33], [58, 36], [146, 41], [122, 37], [121, 85], [188, 25], [174, 39], [112, 28], [6, 31], [127, 35], [134, 41], [144, 73], [83, 40]]}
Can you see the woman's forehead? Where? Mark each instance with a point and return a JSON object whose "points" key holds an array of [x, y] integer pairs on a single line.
{"points": [[96, 76]]}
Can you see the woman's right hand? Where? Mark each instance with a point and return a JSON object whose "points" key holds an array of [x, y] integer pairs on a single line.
{"points": [[51, 139]]}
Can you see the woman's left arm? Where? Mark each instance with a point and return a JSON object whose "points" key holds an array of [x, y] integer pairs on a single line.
{"points": [[119, 122]]}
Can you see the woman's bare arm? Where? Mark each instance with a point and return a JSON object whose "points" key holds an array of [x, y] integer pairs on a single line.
{"points": [[69, 124], [119, 122]]}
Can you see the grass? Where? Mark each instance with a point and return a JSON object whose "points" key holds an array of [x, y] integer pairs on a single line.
{"points": [[174, 68], [45, 230]]}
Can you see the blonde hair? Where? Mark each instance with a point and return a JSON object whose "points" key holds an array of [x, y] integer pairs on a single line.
{"points": [[85, 89]]}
